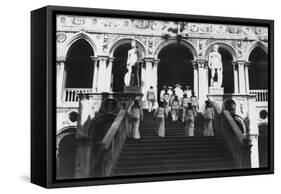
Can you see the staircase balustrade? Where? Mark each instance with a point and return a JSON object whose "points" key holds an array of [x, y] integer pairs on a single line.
{"points": [[108, 150], [238, 143]]}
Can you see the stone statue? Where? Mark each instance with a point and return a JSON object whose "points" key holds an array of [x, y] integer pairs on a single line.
{"points": [[133, 61], [215, 65]]}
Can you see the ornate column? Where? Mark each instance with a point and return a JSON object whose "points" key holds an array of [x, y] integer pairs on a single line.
{"points": [[241, 76], [95, 74], [247, 64], [155, 77], [202, 81], [235, 75], [102, 74], [109, 74], [143, 78], [60, 78], [195, 78], [147, 78]]}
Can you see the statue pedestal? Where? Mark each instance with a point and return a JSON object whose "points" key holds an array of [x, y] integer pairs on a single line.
{"points": [[215, 90], [132, 89]]}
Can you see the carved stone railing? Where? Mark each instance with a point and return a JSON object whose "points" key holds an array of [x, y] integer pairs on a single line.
{"points": [[108, 150], [238, 143], [261, 95], [72, 94]]}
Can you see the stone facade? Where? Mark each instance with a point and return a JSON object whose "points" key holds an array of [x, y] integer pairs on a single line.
{"points": [[105, 35]]}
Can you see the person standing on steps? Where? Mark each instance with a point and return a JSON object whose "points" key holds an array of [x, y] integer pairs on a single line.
{"points": [[159, 115], [170, 90], [172, 97], [151, 98], [136, 116], [208, 119], [189, 119], [162, 93], [187, 91], [184, 105], [175, 109], [166, 99], [178, 91], [194, 102]]}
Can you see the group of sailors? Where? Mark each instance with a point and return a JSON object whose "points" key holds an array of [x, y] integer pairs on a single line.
{"points": [[175, 105]]}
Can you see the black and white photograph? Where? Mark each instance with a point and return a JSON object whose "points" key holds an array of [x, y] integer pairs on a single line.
{"points": [[146, 97]]}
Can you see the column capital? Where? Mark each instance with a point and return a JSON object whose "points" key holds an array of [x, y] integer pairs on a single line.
{"points": [[61, 59], [240, 62], [103, 58], [248, 63], [194, 64], [202, 63], [94, 58], [111, 59], [234, 64], [147, 59]]}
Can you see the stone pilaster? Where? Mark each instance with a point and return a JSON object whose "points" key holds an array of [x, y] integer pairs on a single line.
{"points": [[95, 74], [61, 74]]}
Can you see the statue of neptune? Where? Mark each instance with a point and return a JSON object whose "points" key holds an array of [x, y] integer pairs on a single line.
{"points": [[215, 65], [132, 77]]}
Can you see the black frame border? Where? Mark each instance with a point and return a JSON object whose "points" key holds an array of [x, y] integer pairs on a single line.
{"points": [[46, 176]]}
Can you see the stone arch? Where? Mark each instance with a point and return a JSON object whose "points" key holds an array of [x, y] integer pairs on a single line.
{"points": [[185, 43], [77, 36], [255, 44], [127, 40], [223, 45], [63, 132]]}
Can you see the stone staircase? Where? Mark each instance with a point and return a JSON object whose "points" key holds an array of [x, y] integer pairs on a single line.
{"points": [[173, 153]]}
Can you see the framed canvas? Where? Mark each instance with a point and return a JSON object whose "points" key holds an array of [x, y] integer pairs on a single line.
{"points": [[126, 96]]}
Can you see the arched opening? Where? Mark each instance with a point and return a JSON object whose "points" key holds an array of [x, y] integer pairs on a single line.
{"points": [[228, 77], [66, 157], [119, 67], [175, 66], [79, 68], [258, 69]]}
